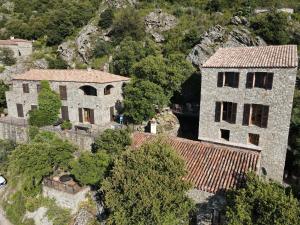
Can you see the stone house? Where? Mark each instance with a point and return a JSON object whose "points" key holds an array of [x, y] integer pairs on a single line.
{"points": [[89, 97], [246, 101], [20, 47]]}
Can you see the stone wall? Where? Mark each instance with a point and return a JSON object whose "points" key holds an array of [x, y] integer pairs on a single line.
{"points": [[273, 139], [21, 49], [75, 99], [64, 199]]}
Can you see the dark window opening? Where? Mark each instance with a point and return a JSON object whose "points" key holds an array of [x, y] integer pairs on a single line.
{"points": [[38, 88], [253, 139], [86, 115], [25, 88], [225, 111], [65, 113], [63, 92], [260, 80], [228, 79], [89, 90], [108, 89], [256, 115], [20, 110], [225, 134]]}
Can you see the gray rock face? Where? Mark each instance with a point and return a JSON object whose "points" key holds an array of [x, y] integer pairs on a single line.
{"points": [[83, 217], [121, 3], [11, 71], [157, 22], [217, 37], [41, 64], [84, 39], [239, 21], [67, 52]]}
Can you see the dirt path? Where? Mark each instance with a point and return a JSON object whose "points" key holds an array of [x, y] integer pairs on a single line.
{"points": [[3, 220]]}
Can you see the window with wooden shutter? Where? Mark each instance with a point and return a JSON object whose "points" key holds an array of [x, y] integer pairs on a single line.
{"points": [[25, 88], [249, 81], [265, 116], [246, 115], [218, 112], [20, 110], [220, 79], [92, 117], [80, 115], [233, 113], [63, 92], [236, 80], [253, 139], [38, 88], [65, 113], [269, 81]]}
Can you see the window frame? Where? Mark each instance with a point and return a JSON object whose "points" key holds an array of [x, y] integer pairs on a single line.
{"points": [[222, 133], [255, 137], [25, 87], [265, 78], [228, 79]]}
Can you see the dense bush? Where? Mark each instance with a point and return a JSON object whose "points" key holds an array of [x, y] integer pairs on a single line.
{"points": [[6, 147], [112, 141], [66, 125], [3, 88], [57, 63], [49, 107], [142, 99], [146, 187], [7, 56], [261, 202], [89, 168], [106, 18], [102, 48]]}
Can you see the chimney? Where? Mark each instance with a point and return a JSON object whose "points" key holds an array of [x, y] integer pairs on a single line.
{"points": [[89, 69], [12, 37], [153, 126]]}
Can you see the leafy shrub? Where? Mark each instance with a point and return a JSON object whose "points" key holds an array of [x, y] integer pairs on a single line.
{"points": [[112, 141], [66, 125], [49, 107], [7, 56], [102, 48], [6, 148], [57, 63], [106, 18], [33, 131], [89, 169], [262, 202], [146, 185], [3, 88]]}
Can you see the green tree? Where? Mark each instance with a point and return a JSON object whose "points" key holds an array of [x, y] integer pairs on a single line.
{"points": [[7, 56], [146, 187], [102, 48], [3, 88], [131, 52], [112, 141], [49, 107], [272, 27], [57, 63], [169, 73], [106, 18], [89, 169], [6, 147], [262, 203], [142, 99], [128, 22]]}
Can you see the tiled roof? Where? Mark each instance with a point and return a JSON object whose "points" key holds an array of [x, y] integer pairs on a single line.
{"points": [[285, 56], [13, 41], [82, 76], [210, 168]]}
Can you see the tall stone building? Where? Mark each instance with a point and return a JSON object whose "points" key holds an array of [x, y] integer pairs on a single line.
{"points": [[246, 101], [88, 97]]}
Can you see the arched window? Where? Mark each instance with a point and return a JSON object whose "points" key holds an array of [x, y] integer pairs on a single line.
{"points": [[108, 89], [88, 90]]}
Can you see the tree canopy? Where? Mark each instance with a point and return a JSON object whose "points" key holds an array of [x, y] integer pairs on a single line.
{"points": [[146, 187], [262, 203]]}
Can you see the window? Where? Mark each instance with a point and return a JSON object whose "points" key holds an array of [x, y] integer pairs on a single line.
{"points": [[65, 113], [63, 92], [229, 79], [260, 80], [107, 89], [256, 115], [253, 139], [89, 90], [86, 115], [20, 110], [25, 88], [225, 111], [38, 88], [225, 134]]}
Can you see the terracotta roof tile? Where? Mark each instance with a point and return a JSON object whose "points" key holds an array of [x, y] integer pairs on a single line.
{"points": [[211, 168], [84, 76], [13, 41], [285, 56]]}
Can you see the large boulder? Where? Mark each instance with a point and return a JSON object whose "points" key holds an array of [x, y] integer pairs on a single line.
{"points": [[167, 123], [157, 22], [217, 37], [67, 52]]}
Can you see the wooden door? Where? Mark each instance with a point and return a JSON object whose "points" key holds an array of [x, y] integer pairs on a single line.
{"points": [[20, 110], [64, 113], [63, 92]]}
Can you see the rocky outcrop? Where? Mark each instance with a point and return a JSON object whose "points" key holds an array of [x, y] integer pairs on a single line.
{"points": [[121, 3], [158, 22], [167, 123], [218, 36], [39, 216], [239, 21], [84, 217], [67, 52], [41, 64], [11, 71]]}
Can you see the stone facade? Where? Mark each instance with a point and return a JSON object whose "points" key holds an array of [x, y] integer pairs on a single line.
{"points": [[102, 105], [20, 48], [273, 139]]}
